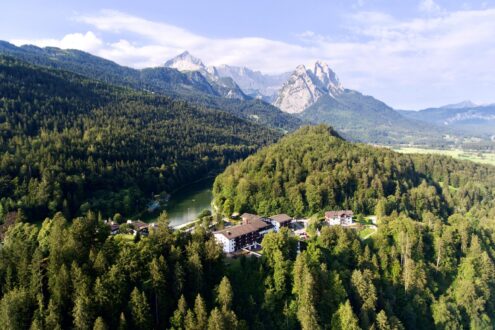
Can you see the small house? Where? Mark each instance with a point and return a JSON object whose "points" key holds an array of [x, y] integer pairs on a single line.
{"points": [[339, 218], [280, 220]]}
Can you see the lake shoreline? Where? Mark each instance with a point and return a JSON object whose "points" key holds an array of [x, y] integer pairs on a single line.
{"points": [[188, 201]]}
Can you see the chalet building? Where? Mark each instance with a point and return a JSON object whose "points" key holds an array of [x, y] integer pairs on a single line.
{"points": [[139, 226], [339, 218], [280, 220], [249, 233]]}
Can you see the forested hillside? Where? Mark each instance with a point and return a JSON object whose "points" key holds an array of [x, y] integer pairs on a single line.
{"points": [[68, 143], [314, 169], [189, 86], [431, 262]]}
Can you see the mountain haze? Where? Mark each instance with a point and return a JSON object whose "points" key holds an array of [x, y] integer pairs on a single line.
{"points": [[254, 83], [467, 118]]}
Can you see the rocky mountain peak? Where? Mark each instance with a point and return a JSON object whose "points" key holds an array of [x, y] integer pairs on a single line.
{"points": [[327, 77], [304, 87], [185, 62]]}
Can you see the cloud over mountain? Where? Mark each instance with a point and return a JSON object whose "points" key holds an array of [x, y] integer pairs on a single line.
{"points": [[410, 63]]}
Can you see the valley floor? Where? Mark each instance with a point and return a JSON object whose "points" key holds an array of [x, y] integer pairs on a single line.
{"points": [[477, 157]]}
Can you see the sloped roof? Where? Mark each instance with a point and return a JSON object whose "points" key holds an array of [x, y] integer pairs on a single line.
{"points": [[341, 213], [248, 217], [281, 218], [244, 229]]}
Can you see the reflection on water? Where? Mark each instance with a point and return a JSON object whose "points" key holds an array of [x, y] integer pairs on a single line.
{"points": [[186, 204]]}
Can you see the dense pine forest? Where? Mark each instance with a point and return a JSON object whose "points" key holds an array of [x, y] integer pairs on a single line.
{"points": [[186, 86], [75, 149], [431, 262], [71, 144], [430, 265], [314, 170]]}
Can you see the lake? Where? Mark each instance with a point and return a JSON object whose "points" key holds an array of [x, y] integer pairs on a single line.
{"points": [[187, 203]]}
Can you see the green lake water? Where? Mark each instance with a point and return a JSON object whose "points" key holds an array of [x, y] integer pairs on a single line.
{"points": [[187, 203]]}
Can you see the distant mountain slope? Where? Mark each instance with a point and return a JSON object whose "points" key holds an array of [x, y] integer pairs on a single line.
{"points": [[306, 86], [460, 105], [316, 95], [474, 120], [223, 86], [254, 83], [188, 86], [366, 119], [241, 81], [69, 143]]}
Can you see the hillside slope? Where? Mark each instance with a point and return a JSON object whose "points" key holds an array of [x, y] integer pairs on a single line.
{"points": [[314, 170], [187, 86], [68, 143]]}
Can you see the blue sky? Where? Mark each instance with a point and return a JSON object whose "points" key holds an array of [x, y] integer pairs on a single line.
{"points": [[411, 54]]}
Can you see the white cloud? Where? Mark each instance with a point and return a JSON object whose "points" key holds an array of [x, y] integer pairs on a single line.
{"points": [[172, 40], [86, 42], [429, 6], [408, 63]]}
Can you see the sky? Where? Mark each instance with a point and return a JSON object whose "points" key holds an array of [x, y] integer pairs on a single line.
{"points": [[411, 54]]}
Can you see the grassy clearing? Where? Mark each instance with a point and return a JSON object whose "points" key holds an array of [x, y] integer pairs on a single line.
{"points": [[366, 232], [477, 157], [125, 237]]}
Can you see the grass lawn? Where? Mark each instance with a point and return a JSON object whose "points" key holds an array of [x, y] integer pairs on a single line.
{"points": [[477, 157], [366, 232], [125, 237]]}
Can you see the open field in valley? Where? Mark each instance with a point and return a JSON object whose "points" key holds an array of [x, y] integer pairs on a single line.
{"points": [[478, 157]]}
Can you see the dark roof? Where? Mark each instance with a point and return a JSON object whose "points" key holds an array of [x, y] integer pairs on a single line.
{"points": [[244, 229], [341, 213], [281, 218], [139, 224]]}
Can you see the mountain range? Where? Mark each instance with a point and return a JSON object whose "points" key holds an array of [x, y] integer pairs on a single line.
{"points": [[316, 96], [242, 81], [223, 86], [465, 117], [190, 86], [308, 95]]}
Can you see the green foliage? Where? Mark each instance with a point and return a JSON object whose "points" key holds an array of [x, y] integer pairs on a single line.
{"points": [[191, 87], [71, 144], [430, 263], [16, 307], [100, 324], [344, 318], [418, 270], [314, 170]]}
